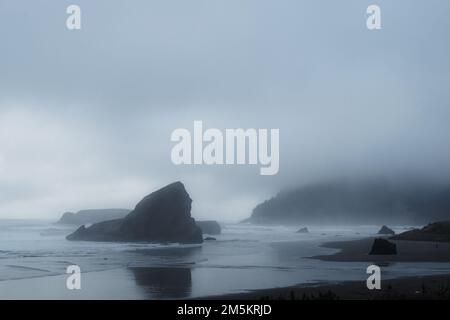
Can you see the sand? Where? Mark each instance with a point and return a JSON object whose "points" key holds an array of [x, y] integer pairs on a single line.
{"points": [[407, 251], [410, 288]]}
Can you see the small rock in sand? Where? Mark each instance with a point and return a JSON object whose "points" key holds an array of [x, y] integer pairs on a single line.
{"points": [[383, 247]]}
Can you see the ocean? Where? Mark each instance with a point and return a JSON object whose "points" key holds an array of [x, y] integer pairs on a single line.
{"points": [[34, 256]]}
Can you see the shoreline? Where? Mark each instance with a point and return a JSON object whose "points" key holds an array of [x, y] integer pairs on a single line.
{"points": [[407, 251], [407, 287], [435, 287], [286, 266]]}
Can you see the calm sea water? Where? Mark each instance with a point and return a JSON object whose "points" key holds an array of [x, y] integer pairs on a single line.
{"points": [[34, 256]]}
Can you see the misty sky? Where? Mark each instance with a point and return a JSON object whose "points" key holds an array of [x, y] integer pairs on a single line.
{"points": [[86, 116]]}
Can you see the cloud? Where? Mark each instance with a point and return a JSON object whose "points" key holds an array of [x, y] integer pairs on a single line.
{"points": [[86, 117]]}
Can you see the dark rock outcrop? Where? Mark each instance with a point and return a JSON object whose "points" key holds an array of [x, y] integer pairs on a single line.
{"points": [[438, 231], [303, 230], [91, 216], [163, 216], [102, 231], [386, 230], [383, 247], [210, 239], [209, 227], [347, 202]]}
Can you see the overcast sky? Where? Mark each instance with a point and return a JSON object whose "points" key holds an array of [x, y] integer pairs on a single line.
{"points": [[86, 116]]}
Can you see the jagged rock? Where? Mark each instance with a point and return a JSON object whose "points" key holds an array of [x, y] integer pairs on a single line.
{"points": [[91, 216], [438, 231], [102, 231], [209, 227], [303, 230], [383, 247], [163, 216], [210, 239], [386, 230]]}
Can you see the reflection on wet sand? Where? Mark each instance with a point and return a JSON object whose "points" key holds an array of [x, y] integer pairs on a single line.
{"points": [[172, 255], [164, 283]]}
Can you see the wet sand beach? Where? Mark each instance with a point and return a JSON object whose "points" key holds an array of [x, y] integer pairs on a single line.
{"points": [[410, 288], [243, 260], [407, 251]]}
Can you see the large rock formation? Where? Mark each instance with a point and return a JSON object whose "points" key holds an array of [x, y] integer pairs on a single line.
{"points": [[163, 216], [84, 217], [303, 230], [210, 227], [383, 247], [386, 230], [438, 231], [102, 231], [355, 202]]}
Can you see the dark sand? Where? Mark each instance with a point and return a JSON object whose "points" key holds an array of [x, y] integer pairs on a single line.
{"points": [[407, 251], [410, 288]]}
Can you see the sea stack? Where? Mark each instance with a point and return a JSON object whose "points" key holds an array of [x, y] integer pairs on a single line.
{"points": [[91, 216], [164, 216], [303, 230], [386, 230]]}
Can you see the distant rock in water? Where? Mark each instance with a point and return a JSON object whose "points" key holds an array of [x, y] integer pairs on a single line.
{"points": [[438, 231], [356, 202], [383, 247], [91, 216], [386, 230], [163, 216], [209, 227], [210, 239], [303, 230]]}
